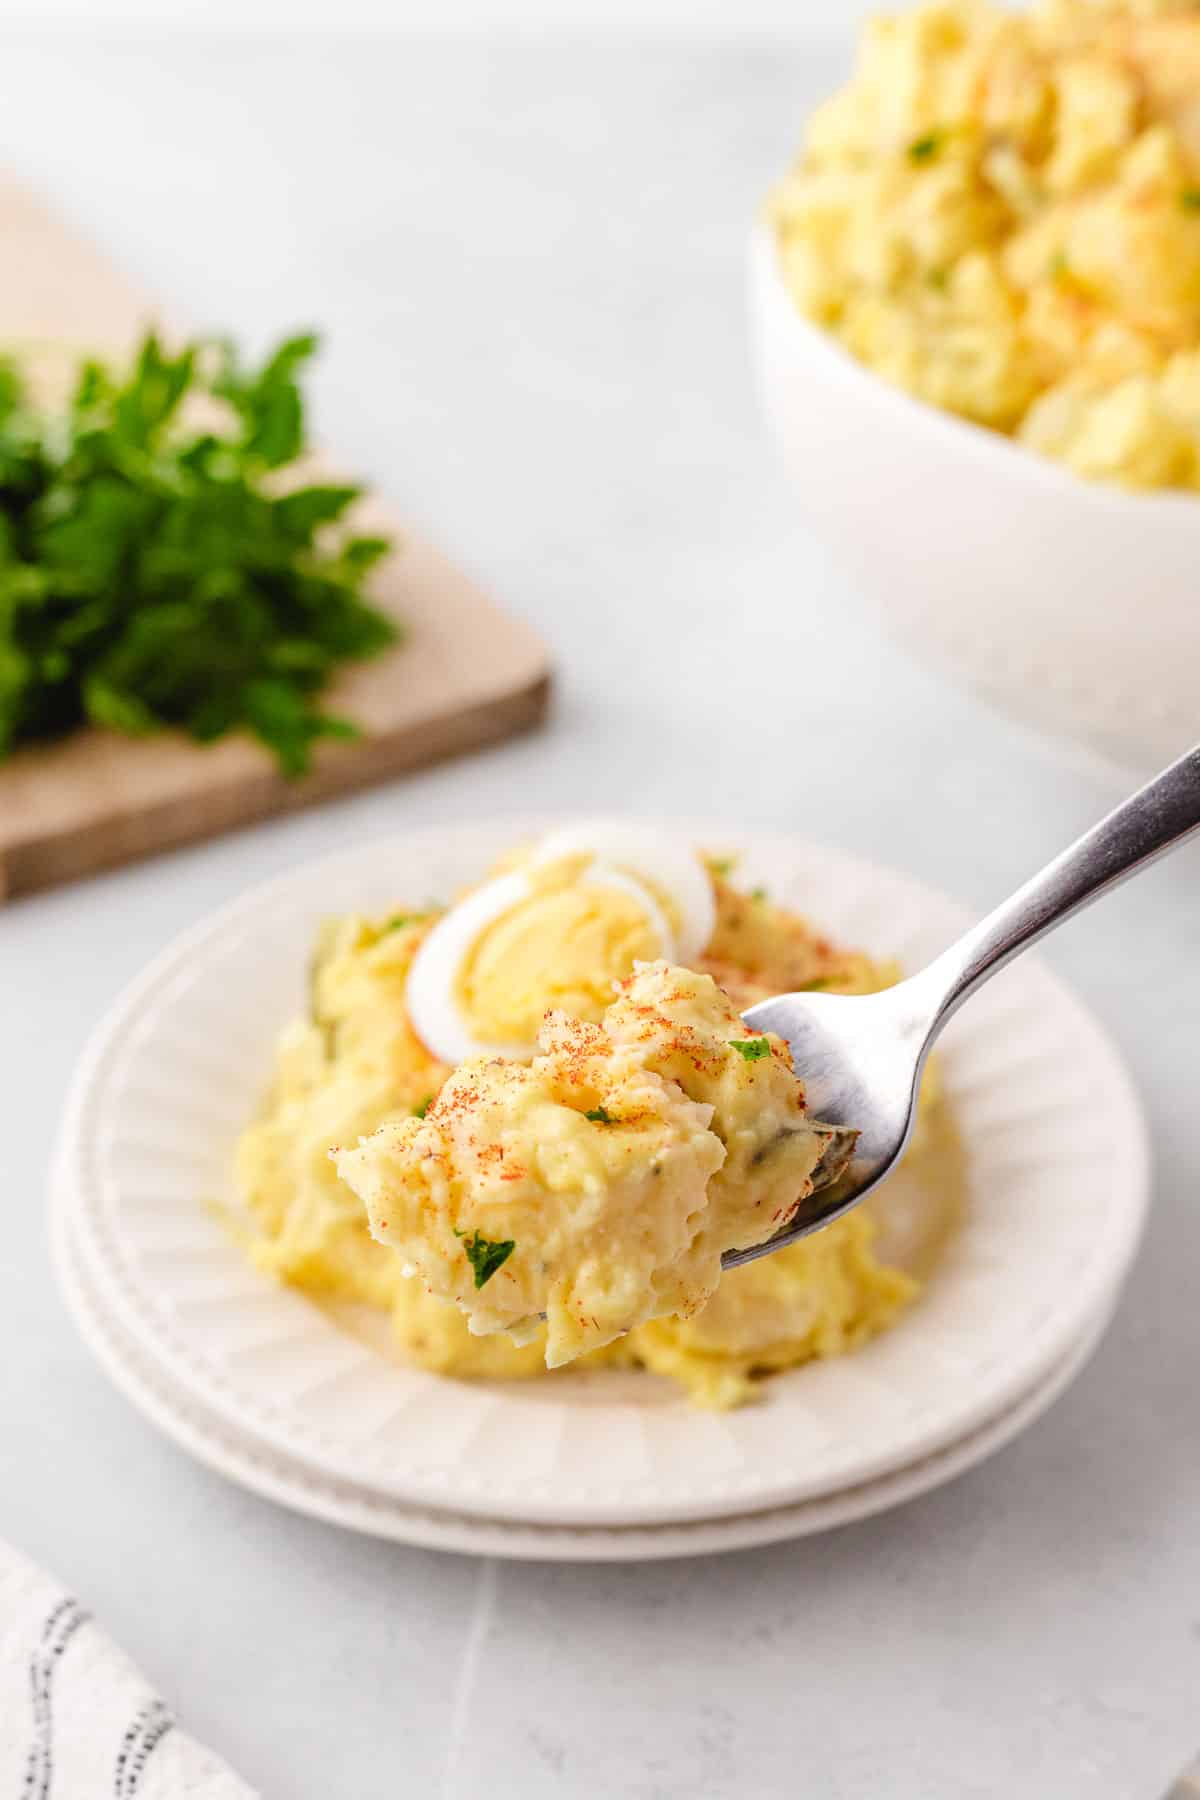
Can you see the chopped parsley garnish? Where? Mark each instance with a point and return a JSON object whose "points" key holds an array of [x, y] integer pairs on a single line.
{"points": [[751, 1049], [923, 149], [398, 921], [156, 570], [484, 1256], [600, 1115], [1190, 199], [759, 894], [815, 987], [418, 1112], [722, 865]]}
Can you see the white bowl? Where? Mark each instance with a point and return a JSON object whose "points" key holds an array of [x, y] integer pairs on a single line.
{"points": [[1072, 604]]}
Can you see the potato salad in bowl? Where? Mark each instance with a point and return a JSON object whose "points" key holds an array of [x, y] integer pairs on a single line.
{"points": [[975, 313], [1001, 213], [526, 1126]]}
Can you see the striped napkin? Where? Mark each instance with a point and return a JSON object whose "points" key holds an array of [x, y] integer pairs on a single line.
{"points": [[77, 1721]]}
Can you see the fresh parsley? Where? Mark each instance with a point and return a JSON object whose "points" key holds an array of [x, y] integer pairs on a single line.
{"points": [[418, 1112], [1189, 199], [600, 1115], [398, 921], [751, 1049], [758, 894], [484, 1256], [160, 565], [924, 149]]}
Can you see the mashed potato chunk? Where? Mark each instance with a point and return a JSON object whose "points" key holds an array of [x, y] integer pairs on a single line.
{"points": [[685, 1029], [599, 1184]]}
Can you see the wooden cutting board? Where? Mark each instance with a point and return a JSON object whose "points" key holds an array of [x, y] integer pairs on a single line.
{"points": [[466, 674]]}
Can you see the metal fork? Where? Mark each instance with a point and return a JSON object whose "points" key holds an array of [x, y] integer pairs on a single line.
{"points": [[861, 1057]]}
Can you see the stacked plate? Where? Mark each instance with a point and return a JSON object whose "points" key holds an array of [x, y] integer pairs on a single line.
{"points": [[315, 1411]]}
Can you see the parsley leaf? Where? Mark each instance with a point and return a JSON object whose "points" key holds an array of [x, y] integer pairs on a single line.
{"points": [[418, 1112], [751, 1049], [1189, 199], [923, 149], [484, 1256], [759, 894], [600, 1115], [156, 572]]}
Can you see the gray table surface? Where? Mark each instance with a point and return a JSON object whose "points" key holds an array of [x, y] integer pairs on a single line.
{"points": [[528, 259]]}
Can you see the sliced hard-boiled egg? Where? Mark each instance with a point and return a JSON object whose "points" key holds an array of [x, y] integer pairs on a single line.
{"points": [[429, 991], [677, 876], [556, 933]]}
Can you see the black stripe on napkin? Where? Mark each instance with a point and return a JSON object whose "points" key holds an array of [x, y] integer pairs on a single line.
{"points": [[60, 1627], [147, 1729]]}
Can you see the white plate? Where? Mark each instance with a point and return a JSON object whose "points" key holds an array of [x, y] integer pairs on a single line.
{"points": [[264, 1471], [1058, 1178]]}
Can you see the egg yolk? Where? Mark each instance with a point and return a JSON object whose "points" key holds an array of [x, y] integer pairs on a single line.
{"points": [[562, 947]]}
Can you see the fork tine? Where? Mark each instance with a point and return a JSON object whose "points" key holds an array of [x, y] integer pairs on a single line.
{"points": [[832, 1163]]}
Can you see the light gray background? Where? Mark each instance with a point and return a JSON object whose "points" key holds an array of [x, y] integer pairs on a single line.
{"points": [[528, 260], [761, 19]]}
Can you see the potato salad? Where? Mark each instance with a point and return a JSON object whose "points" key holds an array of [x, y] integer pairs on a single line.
{"points": [[596, 1186], [1001, 213], [541, 1098]]}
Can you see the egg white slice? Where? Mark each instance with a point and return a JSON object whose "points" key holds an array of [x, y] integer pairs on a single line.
{"points": [[638, 850], [433, 1009]]}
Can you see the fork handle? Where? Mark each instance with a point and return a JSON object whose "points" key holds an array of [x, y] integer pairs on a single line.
{"points": [[1147, 825]]}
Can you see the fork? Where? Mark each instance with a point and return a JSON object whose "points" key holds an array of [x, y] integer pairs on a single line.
{"points": [[861, 1056]]}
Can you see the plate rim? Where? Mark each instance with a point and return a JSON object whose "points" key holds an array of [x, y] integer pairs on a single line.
{"points": [[552, 1510], [288, 1482]]}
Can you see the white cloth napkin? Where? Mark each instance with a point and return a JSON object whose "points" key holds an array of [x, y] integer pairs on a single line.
{"points": [[77, 1721]]}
